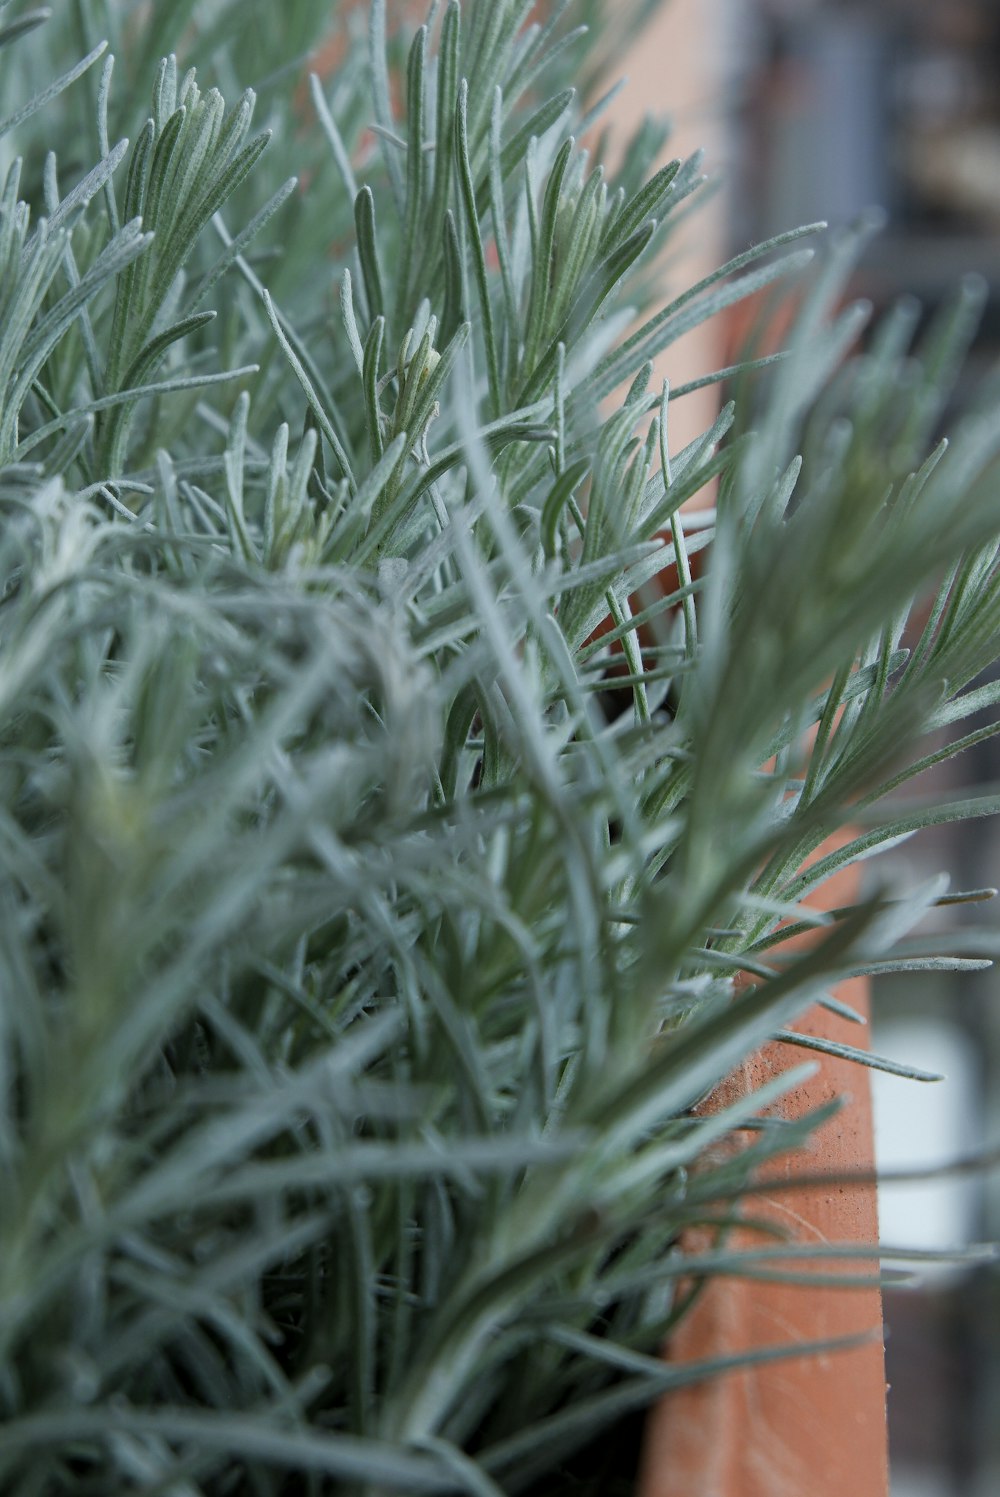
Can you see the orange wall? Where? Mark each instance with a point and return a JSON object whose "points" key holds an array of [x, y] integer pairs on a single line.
{"points": [[670, 71]]}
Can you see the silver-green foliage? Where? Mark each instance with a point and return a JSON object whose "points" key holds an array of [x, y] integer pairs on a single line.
{"points": [[358, 969]]}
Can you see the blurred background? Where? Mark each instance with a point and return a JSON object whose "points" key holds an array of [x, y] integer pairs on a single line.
{"points": [[822, 109], [834, 107]]}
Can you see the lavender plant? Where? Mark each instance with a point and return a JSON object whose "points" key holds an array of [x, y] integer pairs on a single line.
{"points": [[360, 965]]}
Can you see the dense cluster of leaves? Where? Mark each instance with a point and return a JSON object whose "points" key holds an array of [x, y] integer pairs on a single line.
{"points": [[359, 968]]}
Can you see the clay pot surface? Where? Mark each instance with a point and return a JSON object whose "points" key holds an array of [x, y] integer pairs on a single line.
{"points": [[813, 1426]]}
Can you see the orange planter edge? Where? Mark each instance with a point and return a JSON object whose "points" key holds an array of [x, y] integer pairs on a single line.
{"points": [[813, 1426]]}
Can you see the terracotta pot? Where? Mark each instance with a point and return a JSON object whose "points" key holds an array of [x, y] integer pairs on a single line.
{"points": [[812, 1426]]}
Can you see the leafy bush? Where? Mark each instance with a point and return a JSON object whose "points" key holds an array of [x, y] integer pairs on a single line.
{"points": [[368, 918]]}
